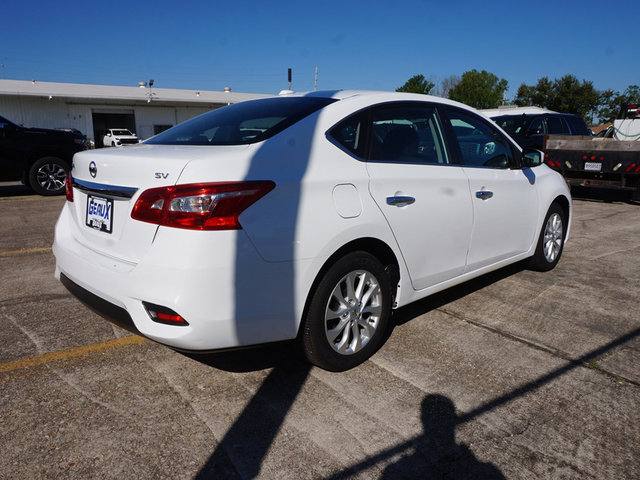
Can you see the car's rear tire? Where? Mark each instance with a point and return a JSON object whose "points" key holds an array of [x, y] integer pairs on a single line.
{"points": [[550, 241], [348, 315], [47, 176]]}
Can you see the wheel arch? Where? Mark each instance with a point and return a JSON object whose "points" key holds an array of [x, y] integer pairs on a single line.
{"points": [[373, 246], [39, 154], [563, 203]]}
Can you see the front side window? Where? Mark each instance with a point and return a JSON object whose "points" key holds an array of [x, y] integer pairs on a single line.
{"points": [[512, 124], [406, 133], [536, 127], [242, 123], [480, 145]]}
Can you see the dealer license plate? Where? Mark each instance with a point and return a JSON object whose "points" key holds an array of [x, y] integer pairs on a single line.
{"points": [[593, 166], [100, 213]]}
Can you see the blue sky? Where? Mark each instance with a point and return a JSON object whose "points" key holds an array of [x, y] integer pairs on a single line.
{"points": [[355, 44]]}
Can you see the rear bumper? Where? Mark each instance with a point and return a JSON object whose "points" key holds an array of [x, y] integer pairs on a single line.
{"points": [[109, 311], [216, 281]]}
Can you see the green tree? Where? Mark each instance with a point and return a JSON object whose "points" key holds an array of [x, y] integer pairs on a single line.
{"points": [[610, 102], [566, 94], [479, 89], [417, 84]]}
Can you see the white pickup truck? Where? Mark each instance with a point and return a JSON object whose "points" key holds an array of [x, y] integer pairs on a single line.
{"points": [[117, 137]]}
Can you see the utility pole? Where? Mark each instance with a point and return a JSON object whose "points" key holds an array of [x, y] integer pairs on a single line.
{"points": [[315, 82]]}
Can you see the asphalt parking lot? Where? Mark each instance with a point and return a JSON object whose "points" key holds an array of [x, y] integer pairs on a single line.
{"points": [[518, 375]]}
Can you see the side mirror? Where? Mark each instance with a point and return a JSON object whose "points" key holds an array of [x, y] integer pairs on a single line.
{"points": [[532, 157]]}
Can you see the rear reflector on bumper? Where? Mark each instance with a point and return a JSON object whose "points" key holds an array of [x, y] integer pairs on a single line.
{"points": [[164, 315]]}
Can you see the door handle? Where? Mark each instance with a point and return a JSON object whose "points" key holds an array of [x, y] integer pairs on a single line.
{"points": [[400, 201], [484, 195]]}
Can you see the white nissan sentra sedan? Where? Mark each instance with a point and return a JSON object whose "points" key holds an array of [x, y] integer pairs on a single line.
{"points": [[307, 217]]}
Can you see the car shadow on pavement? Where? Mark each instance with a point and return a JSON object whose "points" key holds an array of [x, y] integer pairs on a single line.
{"points": [[605, 195], [438, 300], [251, 359], [14, 190]]}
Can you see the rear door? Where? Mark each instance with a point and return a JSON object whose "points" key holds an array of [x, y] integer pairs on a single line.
{"points": [[424, 198], [504, 197]]}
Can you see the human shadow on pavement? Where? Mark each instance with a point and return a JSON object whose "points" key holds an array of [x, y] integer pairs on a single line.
{"points": [[435, 454], [425, 459]]}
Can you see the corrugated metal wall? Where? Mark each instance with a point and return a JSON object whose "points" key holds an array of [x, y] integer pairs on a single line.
{"points": [[44, 113], [59, 113]]}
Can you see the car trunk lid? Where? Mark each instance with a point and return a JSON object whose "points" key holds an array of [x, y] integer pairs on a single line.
{"points": [[107, 184]]}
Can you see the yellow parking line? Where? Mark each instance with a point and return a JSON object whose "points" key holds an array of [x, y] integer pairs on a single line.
{"points": [[70, 353], [25, 250]]}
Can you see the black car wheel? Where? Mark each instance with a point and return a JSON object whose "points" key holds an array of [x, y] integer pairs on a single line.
{"points": [[348, 316], [47, 176]]}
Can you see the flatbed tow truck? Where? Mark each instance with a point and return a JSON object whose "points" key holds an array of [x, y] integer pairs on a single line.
{"points": [[594, 161]]}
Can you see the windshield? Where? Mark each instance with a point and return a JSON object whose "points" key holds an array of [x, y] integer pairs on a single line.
{"points": [[121, 132], [241, 123], [511, 123]]}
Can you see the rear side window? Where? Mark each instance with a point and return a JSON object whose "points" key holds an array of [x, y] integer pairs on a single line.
{"points": [[350, 134], [555, 126], [242, 123], [406, 133], [577, 125]]}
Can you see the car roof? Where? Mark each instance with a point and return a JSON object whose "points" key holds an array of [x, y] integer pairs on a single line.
{"points": [[378, 95], [513, 110]]}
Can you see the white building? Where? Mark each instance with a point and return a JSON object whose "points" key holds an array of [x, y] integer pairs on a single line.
{"points": [[92, 109]]}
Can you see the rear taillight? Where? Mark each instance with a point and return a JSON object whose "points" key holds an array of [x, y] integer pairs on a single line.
{"points": [[199, 206], [68, 187]]}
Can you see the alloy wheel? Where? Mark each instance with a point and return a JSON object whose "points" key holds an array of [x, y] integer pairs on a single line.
{"points": [[51, 176], [353, 312], [553, 232]]}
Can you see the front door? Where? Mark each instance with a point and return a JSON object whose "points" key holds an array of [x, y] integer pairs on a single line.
{"points": [[505, 202]]}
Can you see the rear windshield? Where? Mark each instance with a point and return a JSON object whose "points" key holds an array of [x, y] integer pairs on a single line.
{"points": [[241, 123]]}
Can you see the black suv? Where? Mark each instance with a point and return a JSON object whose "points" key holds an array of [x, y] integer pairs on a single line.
{"points": [[529, 129], [40, 158]]}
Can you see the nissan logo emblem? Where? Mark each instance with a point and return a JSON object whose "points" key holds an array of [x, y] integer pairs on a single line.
{"points": [[93, 170]]}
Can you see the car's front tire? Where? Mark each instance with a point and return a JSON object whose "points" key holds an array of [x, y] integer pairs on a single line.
{"points": [[550, 241], [47, 176], [348, 315]]}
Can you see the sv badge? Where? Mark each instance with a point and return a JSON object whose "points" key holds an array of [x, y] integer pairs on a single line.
{"points": [[161, 175]]}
